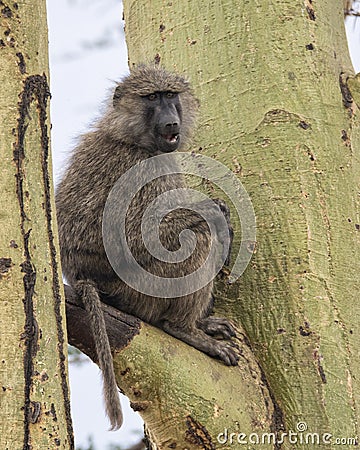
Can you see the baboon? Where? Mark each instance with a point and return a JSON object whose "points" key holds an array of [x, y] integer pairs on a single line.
{"points": [[152, 112]]}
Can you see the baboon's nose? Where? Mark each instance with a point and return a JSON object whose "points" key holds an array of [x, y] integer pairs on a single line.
{"points": [[172, 124], [171, 128]]}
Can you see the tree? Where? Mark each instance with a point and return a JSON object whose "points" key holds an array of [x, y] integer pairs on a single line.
{"points": [[280, 108], [296, 152], [34, 396]]}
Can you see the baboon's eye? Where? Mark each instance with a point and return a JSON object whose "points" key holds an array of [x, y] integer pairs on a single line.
{"points": [[152, 96], [170, 94]]}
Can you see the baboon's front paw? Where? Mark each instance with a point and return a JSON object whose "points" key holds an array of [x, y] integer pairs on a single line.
{"points": [[225, 236], [217, 326]]}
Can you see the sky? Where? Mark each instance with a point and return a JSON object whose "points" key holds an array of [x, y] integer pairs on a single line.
{"points": [[87, 56], [83, 68], [352, 26]]}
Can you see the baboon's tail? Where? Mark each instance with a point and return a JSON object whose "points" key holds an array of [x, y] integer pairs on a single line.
{"points": [[92, 304]]}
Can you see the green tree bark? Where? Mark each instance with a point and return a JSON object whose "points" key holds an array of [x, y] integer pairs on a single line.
{"points": [[35, 410], [275, 84]]}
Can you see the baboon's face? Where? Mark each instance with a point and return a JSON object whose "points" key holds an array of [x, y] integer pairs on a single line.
{"points": [[163, 115], [152, 120]]}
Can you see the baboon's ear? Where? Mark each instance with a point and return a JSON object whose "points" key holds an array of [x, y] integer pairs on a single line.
{"points": [[117, 95]]}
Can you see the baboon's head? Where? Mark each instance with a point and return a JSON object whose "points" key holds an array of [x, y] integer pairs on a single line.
{"points": [[153, 109]]}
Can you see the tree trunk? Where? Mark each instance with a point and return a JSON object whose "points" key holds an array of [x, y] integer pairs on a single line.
{"points": [[35, 411], [272, 79]]}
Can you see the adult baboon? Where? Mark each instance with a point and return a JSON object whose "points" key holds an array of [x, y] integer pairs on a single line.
{"points": [[152, 113]]}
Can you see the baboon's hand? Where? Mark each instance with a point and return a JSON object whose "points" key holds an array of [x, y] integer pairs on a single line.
{"points": [[225, 236], [217, 210], [227, 351], [217, 327]]}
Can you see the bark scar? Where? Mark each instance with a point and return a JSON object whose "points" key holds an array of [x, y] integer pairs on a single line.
{"points": [[5, 265], [36, 90], [345, 92], [197, 434]]}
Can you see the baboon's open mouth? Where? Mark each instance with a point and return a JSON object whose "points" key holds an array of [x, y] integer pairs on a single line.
{"points": [[171, 138]]}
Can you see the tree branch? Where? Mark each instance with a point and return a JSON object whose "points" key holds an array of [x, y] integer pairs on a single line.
{"points": [[121, 327], [185, 397]]}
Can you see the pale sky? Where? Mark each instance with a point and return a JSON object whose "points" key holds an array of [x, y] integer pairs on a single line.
{"points": [[81, 74]]}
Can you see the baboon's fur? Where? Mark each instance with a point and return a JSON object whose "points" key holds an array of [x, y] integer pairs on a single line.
{"points": [[124, 136]]}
